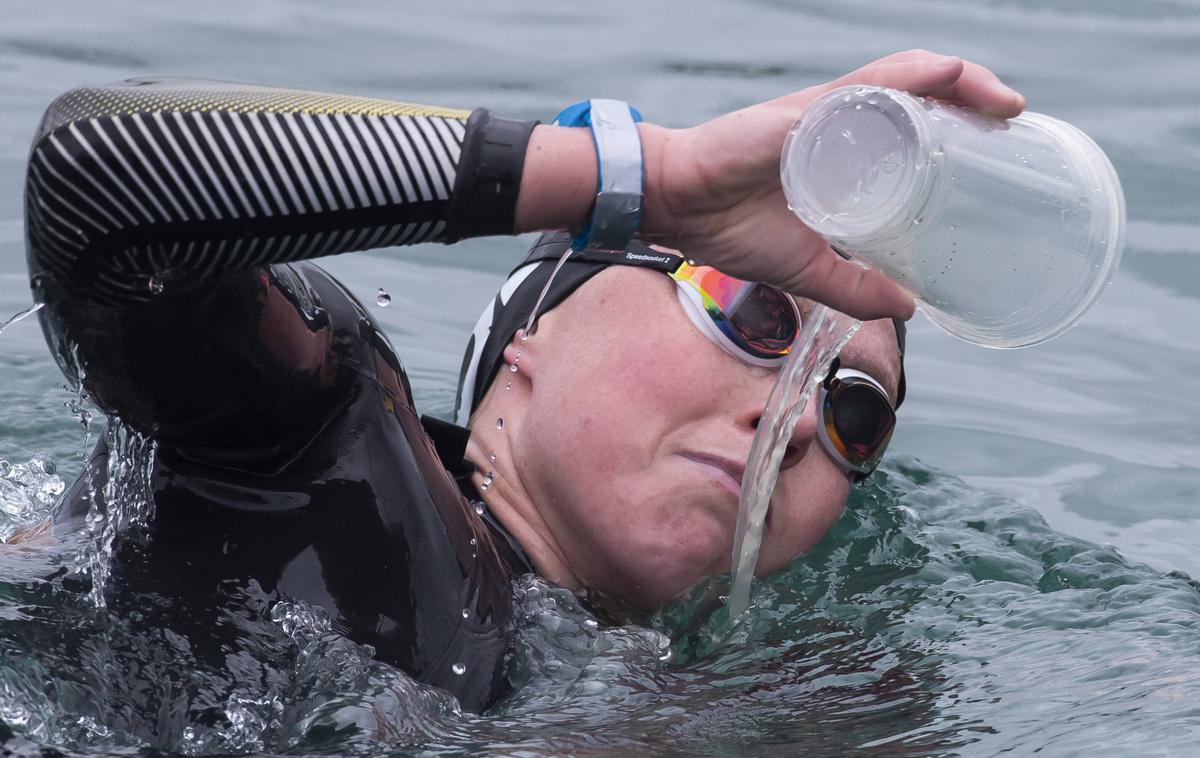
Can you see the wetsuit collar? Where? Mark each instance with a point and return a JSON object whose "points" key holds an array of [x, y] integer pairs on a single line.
{"points": [[450, 443]]}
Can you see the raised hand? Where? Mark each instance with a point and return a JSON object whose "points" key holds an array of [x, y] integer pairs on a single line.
{"points": [[713, 191]]}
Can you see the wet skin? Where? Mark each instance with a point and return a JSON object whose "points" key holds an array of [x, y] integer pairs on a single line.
{"points": [[625, 433]]}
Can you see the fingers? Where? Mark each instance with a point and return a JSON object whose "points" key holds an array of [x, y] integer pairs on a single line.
{"points": [[944, 77], [847, 287], [981, 89]]}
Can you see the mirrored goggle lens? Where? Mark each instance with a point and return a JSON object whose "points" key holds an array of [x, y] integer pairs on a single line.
{"points": [[757, 317], [859, 421]]}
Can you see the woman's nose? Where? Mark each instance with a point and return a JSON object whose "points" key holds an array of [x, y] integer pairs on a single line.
{"points": [[803, 431]]}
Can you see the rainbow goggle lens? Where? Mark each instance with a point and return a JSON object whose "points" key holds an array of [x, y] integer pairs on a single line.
{"points": [[857, 420], [754, 322]]}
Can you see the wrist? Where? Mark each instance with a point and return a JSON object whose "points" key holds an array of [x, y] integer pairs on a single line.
{"points": [[558, 185], [657, 219]]}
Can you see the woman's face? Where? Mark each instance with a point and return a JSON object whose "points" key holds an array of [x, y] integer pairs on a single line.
{"points": [[636, 429]]}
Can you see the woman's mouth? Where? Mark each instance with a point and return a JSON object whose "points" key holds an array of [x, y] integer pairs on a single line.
{"points": [[725, 471]]}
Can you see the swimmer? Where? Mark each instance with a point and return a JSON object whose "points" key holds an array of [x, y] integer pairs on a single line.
{"points": [[170, 224]]}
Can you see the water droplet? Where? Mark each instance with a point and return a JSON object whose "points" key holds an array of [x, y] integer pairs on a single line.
{"points": [[473, 542], [492, 458], [487, 480], [466, 613], [872, 100], [479, 508], [524, 336], [512, 367], [499, 423], [458, 669], [508, 385], [383, 299], [156, 284], [953, 227], [849, 136]]}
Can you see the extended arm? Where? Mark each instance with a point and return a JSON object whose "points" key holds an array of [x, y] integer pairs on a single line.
{"points": [[160, 215]]}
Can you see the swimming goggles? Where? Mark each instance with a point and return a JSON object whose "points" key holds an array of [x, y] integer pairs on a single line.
{"points": [[755, 322], [856, 422], [758, 323]]}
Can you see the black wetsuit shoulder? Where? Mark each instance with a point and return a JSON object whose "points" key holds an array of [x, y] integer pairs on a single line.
{"points": [[161, 219]]}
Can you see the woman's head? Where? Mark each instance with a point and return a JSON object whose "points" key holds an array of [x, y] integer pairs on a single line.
{"points": [[625, 431]]}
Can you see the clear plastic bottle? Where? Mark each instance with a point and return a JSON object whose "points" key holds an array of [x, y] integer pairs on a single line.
{"points": [[1007, 231]]}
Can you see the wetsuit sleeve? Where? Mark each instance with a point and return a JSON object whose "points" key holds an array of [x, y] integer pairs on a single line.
{"points": [[161, 216], [184, 177]]}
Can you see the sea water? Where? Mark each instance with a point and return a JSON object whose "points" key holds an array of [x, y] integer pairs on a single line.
{"points": [[1014, 578]]}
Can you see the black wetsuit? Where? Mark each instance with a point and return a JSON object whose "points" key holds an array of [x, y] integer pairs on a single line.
{"points": [[164, 219]]}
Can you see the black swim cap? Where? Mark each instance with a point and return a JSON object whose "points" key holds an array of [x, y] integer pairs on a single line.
{"points": [[509, 311]]}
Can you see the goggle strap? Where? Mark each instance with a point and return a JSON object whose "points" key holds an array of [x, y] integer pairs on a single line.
{"points": [[551, 246]]}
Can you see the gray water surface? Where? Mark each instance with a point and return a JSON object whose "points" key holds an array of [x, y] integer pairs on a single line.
{"points": [[1013, 579]]}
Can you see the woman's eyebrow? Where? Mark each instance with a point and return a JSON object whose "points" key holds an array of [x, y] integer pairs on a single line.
{"points": [[870, 362]]}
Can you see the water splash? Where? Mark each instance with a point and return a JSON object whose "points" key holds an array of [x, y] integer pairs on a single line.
{"points": [[338, 689], [125, 502], [28, 492]]}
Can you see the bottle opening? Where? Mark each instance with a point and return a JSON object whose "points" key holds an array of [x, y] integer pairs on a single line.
{"points": [[854, 166]]}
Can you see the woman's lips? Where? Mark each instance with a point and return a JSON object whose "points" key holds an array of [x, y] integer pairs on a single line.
{"points": [[725, 471]]}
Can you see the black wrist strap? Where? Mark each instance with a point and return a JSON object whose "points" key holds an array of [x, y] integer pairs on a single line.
{"points": [[484, 201]]}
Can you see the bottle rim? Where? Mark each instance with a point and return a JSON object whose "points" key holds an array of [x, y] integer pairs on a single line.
{"points": [[910, 197]]}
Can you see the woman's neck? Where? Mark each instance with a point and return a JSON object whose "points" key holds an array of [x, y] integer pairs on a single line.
{"points": [[497, 479]]}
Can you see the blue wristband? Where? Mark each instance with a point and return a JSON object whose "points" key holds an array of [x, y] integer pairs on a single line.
{"points": [[618, 209]]}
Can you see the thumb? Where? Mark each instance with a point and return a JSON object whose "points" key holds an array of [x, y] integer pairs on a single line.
{"points": [[845, 286]]}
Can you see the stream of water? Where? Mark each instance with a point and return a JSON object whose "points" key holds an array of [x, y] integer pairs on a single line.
{"points": [[822, 336]]}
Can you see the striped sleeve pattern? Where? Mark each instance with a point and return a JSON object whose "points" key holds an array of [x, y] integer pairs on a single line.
{"points": [[151, 179]]}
